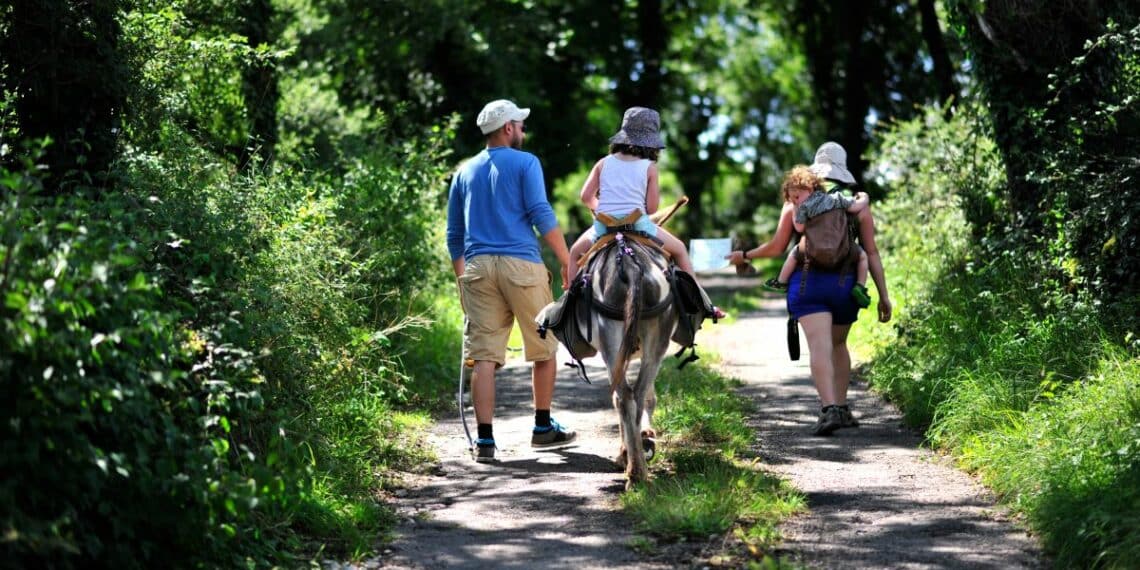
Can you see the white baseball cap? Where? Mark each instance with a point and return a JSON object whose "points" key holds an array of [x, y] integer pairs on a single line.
{"points": [[498, 113]]}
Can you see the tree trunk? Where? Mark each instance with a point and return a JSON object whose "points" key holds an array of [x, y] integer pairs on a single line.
{"points": [[936, 45], [259, 84], [861, 70], [65, 67]]}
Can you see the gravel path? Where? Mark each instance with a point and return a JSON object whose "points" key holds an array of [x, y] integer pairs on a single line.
{"points": [[876, 499]]}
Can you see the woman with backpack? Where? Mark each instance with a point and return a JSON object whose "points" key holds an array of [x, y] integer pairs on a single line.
{"points": [[823, 304]]}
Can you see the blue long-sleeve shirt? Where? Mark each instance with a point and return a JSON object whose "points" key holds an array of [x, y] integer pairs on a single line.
{"points": [[496, 201]]}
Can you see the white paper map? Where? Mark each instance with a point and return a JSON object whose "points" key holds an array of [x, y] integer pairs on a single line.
{"points": [[708, 254]]}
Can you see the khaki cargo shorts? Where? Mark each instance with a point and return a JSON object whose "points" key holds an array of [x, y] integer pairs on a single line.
{"points": [[494, 291]]}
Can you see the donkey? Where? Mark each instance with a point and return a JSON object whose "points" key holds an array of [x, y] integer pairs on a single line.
{"points": [[634, 311]]}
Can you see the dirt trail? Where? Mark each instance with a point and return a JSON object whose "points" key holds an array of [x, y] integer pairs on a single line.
{"points": [[877, 499]]}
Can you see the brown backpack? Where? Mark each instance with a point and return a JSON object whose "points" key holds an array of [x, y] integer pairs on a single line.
{"points": [[829, 241]]}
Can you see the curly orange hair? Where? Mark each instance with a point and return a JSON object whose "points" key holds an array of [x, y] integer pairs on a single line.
{"points": [[800, 177]]}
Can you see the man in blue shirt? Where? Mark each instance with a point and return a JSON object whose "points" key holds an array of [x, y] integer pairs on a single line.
{"points": [[496, 202]]}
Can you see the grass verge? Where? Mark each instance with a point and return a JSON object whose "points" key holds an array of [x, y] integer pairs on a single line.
{"points": [[704, 483]]}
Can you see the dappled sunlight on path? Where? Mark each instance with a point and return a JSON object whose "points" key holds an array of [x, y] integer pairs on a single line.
{"points": [[877, 499], [545, 509]]}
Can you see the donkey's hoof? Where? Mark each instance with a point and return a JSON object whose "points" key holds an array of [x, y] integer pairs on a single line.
{"points": [[650, 447], [621, 460]]}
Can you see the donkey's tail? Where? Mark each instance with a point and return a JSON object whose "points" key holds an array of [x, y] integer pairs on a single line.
{"points": [[631, 320]]}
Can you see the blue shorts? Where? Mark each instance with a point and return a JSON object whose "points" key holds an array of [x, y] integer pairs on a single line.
{"points": [[643, 224], [823, 293]]}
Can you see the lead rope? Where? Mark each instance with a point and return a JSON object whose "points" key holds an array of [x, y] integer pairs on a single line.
{"points": [[459, 394]]}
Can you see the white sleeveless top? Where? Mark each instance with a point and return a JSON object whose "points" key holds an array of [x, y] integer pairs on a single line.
{"points": [[622, 186]]}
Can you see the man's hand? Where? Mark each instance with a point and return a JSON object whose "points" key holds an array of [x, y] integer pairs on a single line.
{"points": [[565, 276], [884, 310]]}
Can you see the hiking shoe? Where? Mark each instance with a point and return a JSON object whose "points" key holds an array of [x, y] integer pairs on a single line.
{"points": [[848, 419], [553, 435], [862, 298], [774, 284], [828, 422], [484, 450]]}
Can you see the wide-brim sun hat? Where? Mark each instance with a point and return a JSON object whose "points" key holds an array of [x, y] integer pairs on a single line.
{"points": [[640, 126], [498, 113], [831, 162]]}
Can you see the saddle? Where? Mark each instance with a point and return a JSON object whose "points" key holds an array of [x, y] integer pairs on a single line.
{"points": [[570, 315], [623, 226]]}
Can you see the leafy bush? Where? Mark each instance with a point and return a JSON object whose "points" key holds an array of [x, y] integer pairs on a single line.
{"points": [[300, 268], [1072, 464], [121, 428], [1093, 190], [1013, 370], [935, 170]]}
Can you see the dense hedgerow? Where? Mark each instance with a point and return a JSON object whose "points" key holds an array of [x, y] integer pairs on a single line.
{"points": [[203, 359], [119, 431], [1023, 377]]}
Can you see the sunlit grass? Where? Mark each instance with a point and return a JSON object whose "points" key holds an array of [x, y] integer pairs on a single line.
{"points": [[706, 493], [1018, 379], [702, 485], [1072, 465]]}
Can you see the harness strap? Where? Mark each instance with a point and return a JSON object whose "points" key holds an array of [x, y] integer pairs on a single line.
{"points": [[611, 222], [625, 227], [580, 368], [617, 312], [690, 358]]}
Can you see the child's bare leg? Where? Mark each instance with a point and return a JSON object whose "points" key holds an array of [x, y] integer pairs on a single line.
{"points": [[680, 254], [861, 268], [677, 249], [577, 250], [788, 268]]}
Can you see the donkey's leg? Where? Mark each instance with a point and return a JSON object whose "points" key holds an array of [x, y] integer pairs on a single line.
{"points": [[622, 458], [607, 340], [636, 470], [656, 338]]}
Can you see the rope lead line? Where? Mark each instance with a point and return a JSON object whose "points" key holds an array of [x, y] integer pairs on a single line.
{"points": [[459, 393]]}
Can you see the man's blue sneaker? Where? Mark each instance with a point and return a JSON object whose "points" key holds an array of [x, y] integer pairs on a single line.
{"points": [[553, 435], [484, 450]]}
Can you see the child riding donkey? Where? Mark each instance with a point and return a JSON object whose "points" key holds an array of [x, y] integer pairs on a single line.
{"points": [[623, 188], [630, 300]]}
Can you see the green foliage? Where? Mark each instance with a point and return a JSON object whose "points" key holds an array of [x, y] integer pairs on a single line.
{"points": [[1092, 193], [698, 407], [68, 81], [123, 427], [207, 69], [935, 169], [708, 494], [1060, 86], [1073, 464], [308, 278], [704, 490], [430, 353], [1024, 380], [210, 347]]}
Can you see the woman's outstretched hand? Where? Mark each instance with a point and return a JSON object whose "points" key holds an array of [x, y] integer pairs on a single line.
{"points": [[736, 257]]}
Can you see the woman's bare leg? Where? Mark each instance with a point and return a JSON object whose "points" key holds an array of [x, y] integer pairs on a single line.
{"points": [[818, 330], [840, 362]]}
